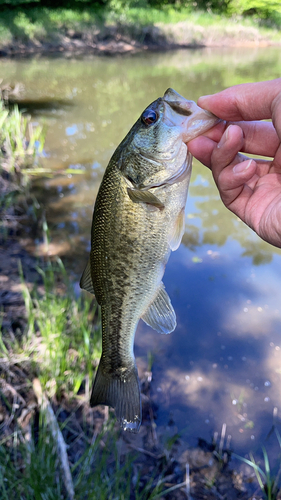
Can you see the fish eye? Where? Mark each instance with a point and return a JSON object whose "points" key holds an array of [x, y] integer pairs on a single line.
{"points": [[149, 117]]}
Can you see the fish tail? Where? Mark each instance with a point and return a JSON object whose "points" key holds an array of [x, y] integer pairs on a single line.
{"points": [[120, 392]]}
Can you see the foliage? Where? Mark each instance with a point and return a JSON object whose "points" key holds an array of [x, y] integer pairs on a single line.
{"points": [[261, 8], [61, 337], [268, 480], [29, 467], [20, 140]]}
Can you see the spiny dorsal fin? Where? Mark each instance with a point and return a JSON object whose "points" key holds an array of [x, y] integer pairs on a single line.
{"points": [[160, 315], [177, 231], [86, 281], [139, 196]]}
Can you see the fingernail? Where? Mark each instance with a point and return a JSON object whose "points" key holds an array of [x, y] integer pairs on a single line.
{"points": [[201, 100], [241, 167], [224, 138], [204, 97]]}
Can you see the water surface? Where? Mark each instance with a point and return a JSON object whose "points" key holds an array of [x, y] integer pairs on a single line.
{"points": [[223, 362]]}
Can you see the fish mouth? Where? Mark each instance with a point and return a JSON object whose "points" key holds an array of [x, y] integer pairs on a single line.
{"points": [[185, 114]]}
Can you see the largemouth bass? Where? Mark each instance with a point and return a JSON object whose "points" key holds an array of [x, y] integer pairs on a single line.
{"points": [[138, 220]]}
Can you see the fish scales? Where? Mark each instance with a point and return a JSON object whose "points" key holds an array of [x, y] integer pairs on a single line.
{"points": [[124, 289], [138, 220]]}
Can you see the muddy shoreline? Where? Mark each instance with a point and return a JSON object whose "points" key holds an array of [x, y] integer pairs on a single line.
{"points": [[118, 40]]}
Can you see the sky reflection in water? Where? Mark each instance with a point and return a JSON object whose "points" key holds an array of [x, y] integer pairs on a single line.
{"points": [[223, 362]]}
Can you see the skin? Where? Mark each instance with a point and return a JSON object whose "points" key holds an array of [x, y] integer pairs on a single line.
{"points": [[251, 189]]}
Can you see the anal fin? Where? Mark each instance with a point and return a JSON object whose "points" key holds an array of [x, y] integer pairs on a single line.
{"points": [[160, 314]]}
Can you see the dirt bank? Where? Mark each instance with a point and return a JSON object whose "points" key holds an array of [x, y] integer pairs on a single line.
{"points": [[122, 38]]}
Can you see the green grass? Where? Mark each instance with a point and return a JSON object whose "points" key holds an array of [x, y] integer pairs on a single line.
{"points": [[21, 142], [268, 479], [60, 346], [62, 339], [45, 24], [30, 468]]}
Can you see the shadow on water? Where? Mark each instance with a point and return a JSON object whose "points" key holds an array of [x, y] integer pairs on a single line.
{"points": [[39, 106]]}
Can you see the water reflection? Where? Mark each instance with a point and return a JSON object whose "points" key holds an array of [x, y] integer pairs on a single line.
{"points": [[225, 349], [222, 363]]}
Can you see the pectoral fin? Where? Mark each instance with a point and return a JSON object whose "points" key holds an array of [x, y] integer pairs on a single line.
{"points": [[177, 231], [86, 281], [160, 315], [139, 196]]}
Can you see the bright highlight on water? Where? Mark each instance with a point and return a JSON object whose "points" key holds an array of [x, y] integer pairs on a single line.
{"points": [[138, 220]]}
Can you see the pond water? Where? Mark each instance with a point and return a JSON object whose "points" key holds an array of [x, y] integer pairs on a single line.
{"points": [[222, 365]]}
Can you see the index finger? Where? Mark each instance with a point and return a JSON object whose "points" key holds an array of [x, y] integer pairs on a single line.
{"points": [[260, 137], [248, 101]]}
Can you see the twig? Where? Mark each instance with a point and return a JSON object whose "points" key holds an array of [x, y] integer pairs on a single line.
{"points": [[169, 490], [57, 436], [187, 480], [223, 431], [146, 452], [12, 390], [153, 426]]}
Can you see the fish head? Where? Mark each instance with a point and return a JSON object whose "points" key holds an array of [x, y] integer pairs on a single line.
{"points": [[155, 149]]}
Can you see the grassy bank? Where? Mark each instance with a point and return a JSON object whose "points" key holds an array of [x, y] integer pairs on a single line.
{"points": [[119, 27]]}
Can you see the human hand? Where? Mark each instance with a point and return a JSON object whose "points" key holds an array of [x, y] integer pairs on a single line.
{"points": [[249, 188]]}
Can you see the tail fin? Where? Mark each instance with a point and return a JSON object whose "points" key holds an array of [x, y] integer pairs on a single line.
{"points": [[122, 393]]}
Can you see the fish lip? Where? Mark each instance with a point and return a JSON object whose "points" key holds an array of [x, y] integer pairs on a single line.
{"points": [[187, 114]]}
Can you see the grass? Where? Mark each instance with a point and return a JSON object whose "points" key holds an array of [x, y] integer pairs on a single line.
{"points": [[62, 339], [21, 145], [45, 25], [267, 479], [21, 142], [60, 346], [30, 469]]}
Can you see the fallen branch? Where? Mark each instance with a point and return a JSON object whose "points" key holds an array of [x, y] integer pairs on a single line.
{"points": [[57, 436]]}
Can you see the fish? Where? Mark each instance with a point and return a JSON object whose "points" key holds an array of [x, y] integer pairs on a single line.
{"points": [[138, 220]]}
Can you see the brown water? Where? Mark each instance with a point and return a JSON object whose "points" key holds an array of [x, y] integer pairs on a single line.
{"points": [[223, 362]]}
